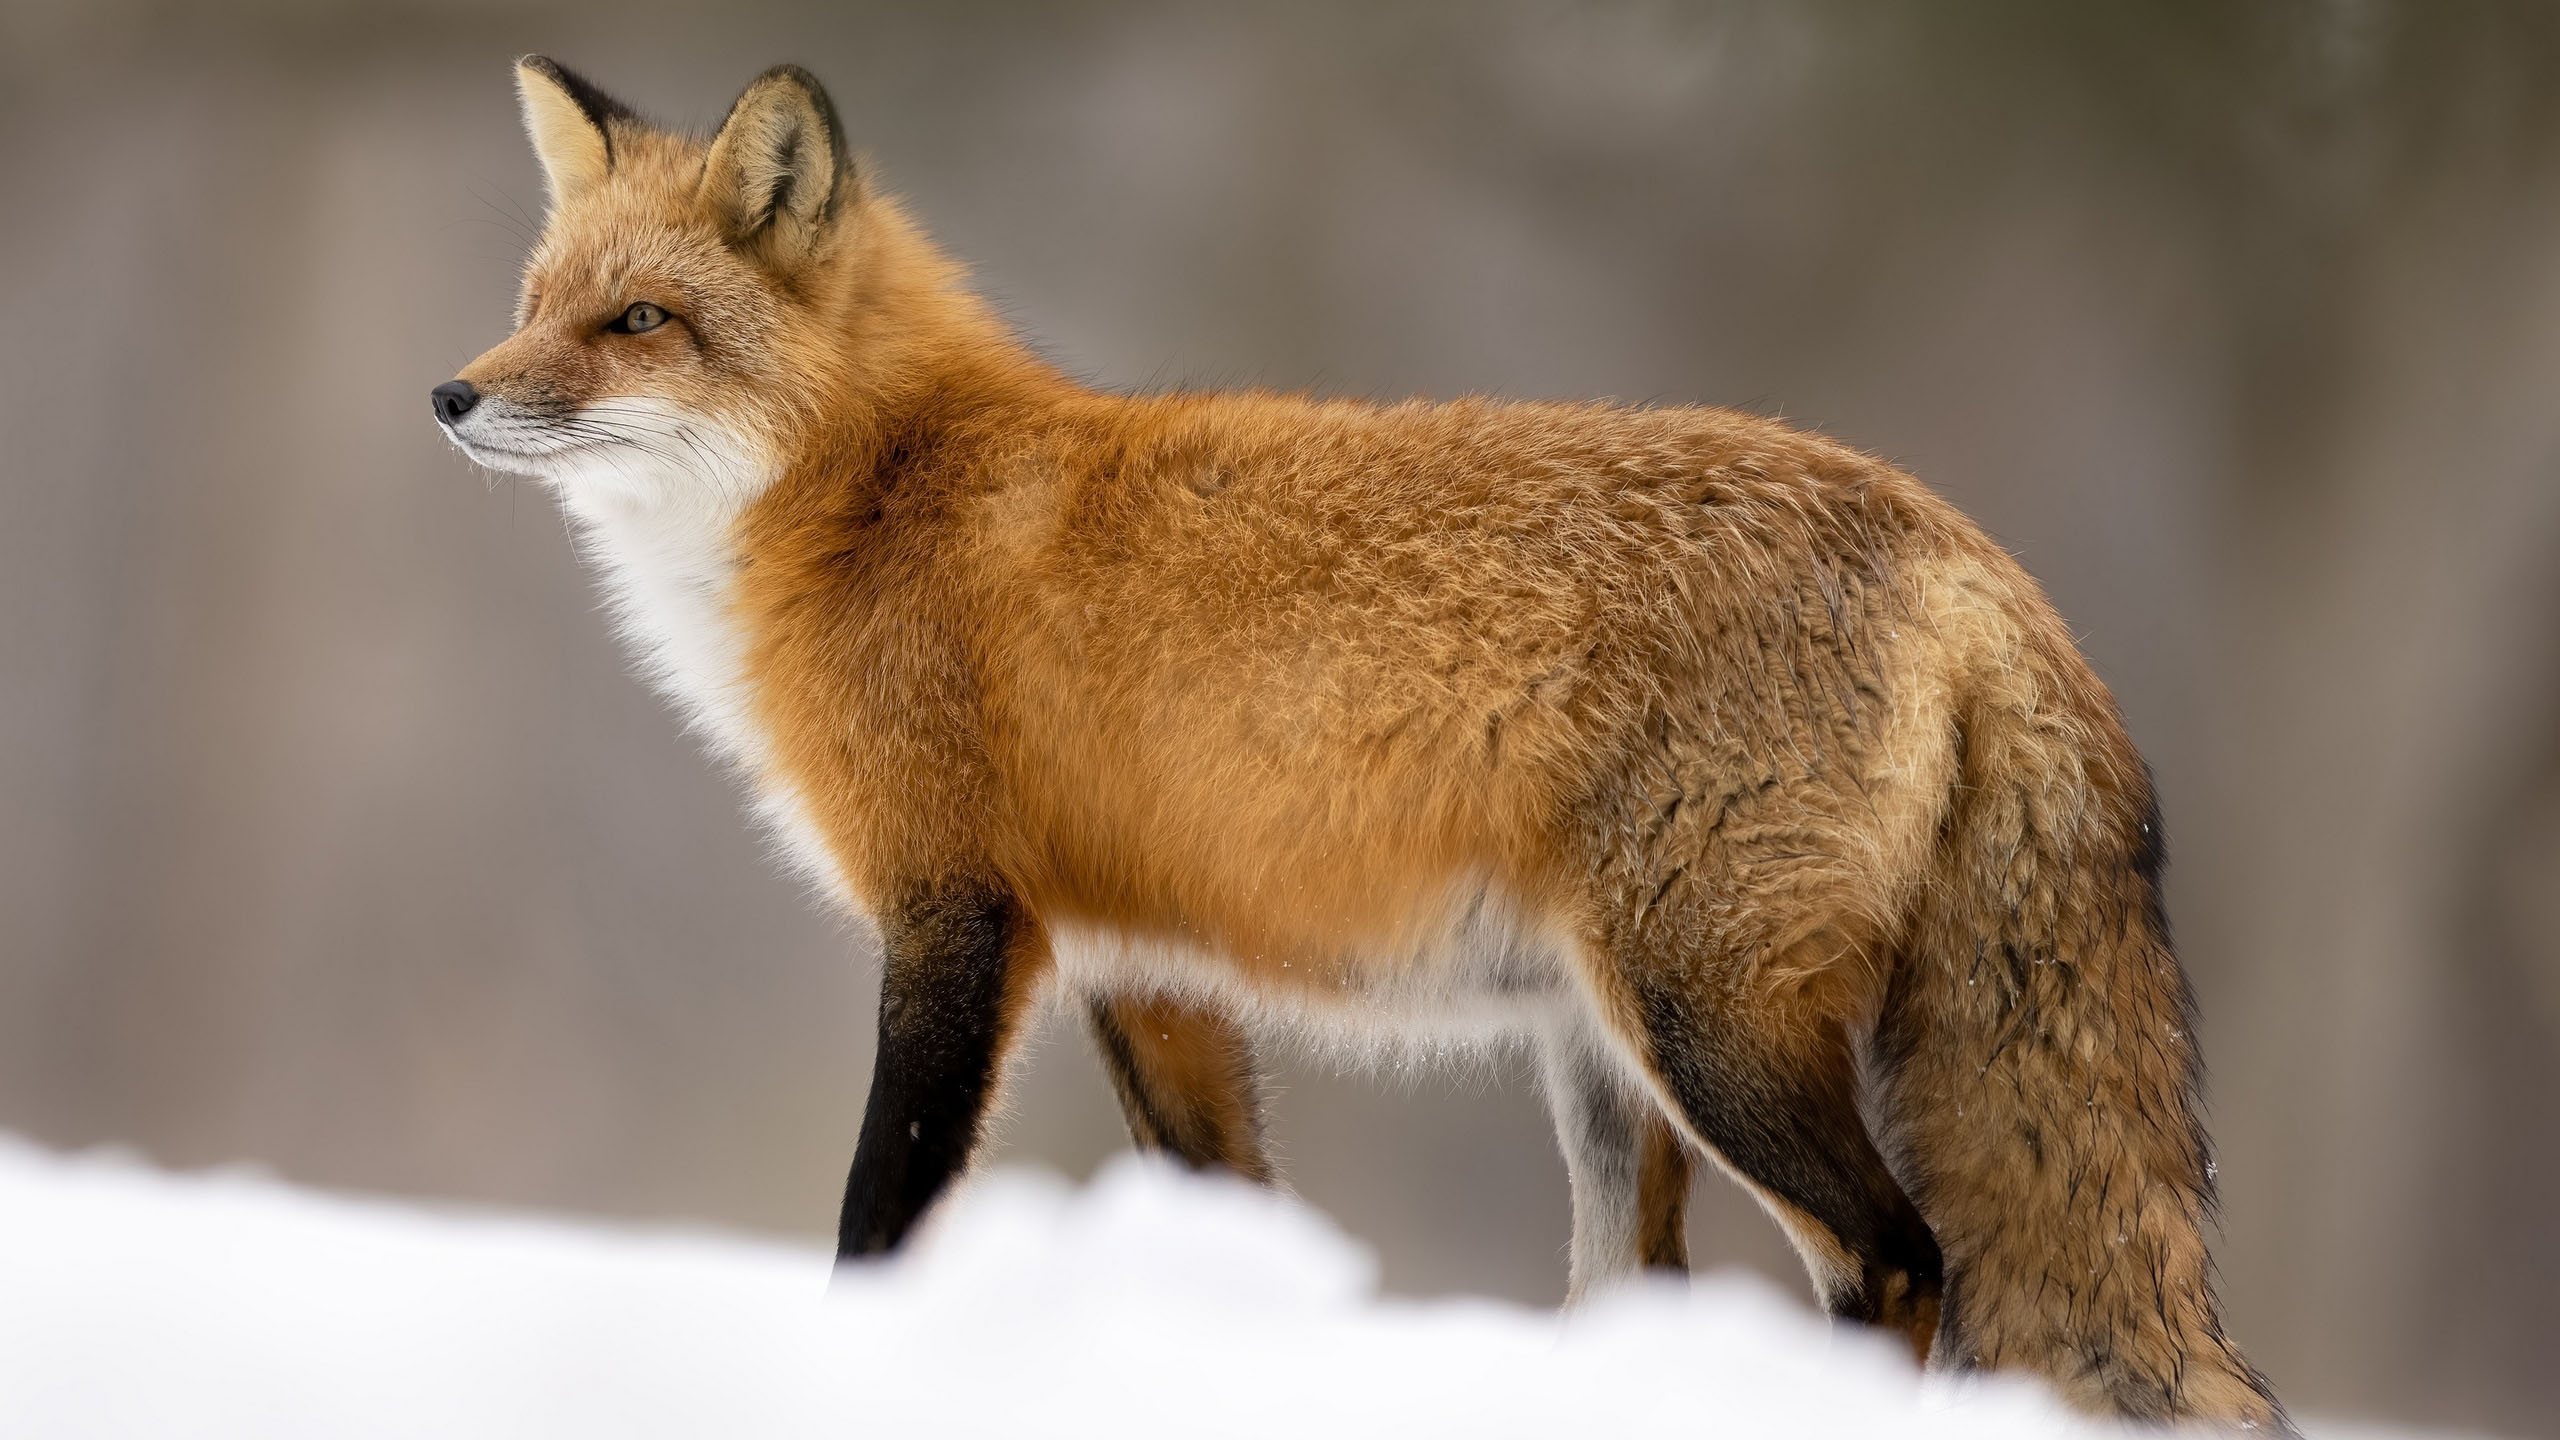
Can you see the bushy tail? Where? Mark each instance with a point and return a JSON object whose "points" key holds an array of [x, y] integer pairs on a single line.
{"points": [[2038, 1067]]}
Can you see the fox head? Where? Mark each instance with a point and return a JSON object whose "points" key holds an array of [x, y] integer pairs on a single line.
{"points": [[682, 316]]}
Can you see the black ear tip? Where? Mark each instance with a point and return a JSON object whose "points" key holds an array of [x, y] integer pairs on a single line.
{"points": [[807, 84], [796, 75], [599, 106]]}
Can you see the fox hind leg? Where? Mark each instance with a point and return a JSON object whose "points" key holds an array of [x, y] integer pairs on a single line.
{"points": [[1629, 1172], [1662, 1197], [1774, 1100]]}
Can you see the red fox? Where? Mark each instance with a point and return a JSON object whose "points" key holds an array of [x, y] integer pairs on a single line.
{"points": [[1729, 767]]}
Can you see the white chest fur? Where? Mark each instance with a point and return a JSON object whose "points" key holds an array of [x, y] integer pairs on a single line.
{"points": [[670, 579], [659, 523]]}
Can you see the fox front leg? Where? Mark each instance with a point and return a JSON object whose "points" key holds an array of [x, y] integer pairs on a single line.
{"points": [[959, 966], [1186, 1079]]}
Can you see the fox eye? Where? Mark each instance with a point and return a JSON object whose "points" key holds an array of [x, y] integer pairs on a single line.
{"points": [[641, 318]]}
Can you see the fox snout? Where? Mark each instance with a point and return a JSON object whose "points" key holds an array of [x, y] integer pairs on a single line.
{"points": [[453, 399]]}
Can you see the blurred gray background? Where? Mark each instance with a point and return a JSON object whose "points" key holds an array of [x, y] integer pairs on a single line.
{"points": [[335, 837]]}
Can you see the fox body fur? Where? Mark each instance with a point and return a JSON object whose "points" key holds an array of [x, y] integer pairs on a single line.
{"points": [[1730, 767]]}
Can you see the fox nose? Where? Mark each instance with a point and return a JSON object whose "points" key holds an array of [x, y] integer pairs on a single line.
{"points": [[454, 399]]}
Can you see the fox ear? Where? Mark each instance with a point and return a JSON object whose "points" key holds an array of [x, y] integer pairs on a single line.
{"points": [[778, 167], [571, 122]]}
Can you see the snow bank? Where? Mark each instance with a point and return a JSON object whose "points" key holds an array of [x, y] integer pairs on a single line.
{"points": [[134, 1303]]}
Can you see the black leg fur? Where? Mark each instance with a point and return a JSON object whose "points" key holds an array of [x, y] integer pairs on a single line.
{"points": [[942, 1019]]}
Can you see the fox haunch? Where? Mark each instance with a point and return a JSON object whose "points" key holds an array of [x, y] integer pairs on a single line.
{"points": [[1733, 768]]}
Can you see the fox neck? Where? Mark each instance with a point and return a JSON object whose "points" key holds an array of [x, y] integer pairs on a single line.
{"points": [[660, 533], [913, 353]]}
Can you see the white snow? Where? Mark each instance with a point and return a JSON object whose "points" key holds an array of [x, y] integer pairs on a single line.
{"points": [[138, 1303]]}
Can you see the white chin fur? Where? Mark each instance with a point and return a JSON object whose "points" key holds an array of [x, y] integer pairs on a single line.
{"points": [[500, 437]]}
